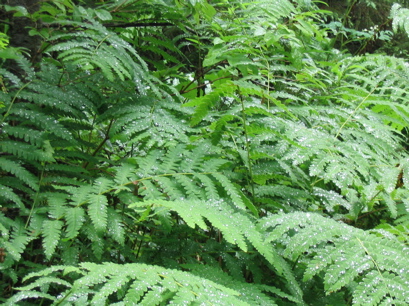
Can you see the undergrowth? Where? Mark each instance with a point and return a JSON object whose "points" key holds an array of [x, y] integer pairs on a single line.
{"points": [[202, 153]]}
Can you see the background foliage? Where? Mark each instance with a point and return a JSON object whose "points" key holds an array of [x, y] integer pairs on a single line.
{"points": [[231, 152]]}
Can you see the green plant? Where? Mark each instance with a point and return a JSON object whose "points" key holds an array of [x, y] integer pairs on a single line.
{"points": [[187, 152]]}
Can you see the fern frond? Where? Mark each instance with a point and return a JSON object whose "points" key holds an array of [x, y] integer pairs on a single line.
{"points": [[116, 226], [51, 236], [341, 253], [99, 283], [98, 211], [25, 151], [236, 226], [20, 172], [75, 218], [34, 137], [399, 17], [97, 47], [205, 103], [7, 194], [154, 123], [231, 190], [16, 246], [252, 291]]}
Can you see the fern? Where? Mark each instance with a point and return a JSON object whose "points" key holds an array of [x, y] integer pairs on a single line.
{"points": [[343, 255], [229, 197], [51, 233], [96, 47], [399, 15], [134, 282], [20, 172], [75, 219], [237, 228], [149, 122]]}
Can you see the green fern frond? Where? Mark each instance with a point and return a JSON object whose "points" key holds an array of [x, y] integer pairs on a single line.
{"points": [[342, 254], [388, 286], [99, 48], [97, 240], [16, 246], [43, 121], [51, 236], [230, 189], [399, 15], [153, 123], [196, 170], [25, 151], [99, 283], [7, 194], [252, 291], [205, 103], [34, 137], [20, 172], [75, 218], [98, 211], [236, 227], [116, 226]]}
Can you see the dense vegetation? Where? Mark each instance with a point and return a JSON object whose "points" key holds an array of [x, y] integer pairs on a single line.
{"points": [[204, 152]]}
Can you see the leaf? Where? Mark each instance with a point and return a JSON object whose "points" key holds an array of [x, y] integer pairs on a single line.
{"points": [[51, 236], [97, 211], [74, 217]]}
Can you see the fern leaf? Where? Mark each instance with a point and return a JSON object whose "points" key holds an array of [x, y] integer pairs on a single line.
{"points": [[8, 193], [97, 211], [79, 194], [20, 296], [150, 191], [51, 236], [389, 289], [170, 188], [44, 122], [399, 15], [115, 227], [230, 189], [124, 173], [36, 138], [344, 254], [172, 158], [16, 246], [74, 217], [235, 226], [209, 186], [97, 241], [203, 104], [46, 280], [194, 159], [25, 151], [189, 186], [159, 279]]}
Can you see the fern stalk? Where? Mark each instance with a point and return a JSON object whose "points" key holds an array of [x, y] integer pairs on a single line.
{"points": [[355, 111], [12, 101], [247, 144]]}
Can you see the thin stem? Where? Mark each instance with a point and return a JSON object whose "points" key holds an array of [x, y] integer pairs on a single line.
{"points": [[354, 112], [36, 197], [12, 101], [247, 141]]}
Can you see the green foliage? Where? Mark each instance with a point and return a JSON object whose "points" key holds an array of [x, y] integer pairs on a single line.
{"points": [[187, 152], [399, 15], [136, 284], [343, 256]]}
